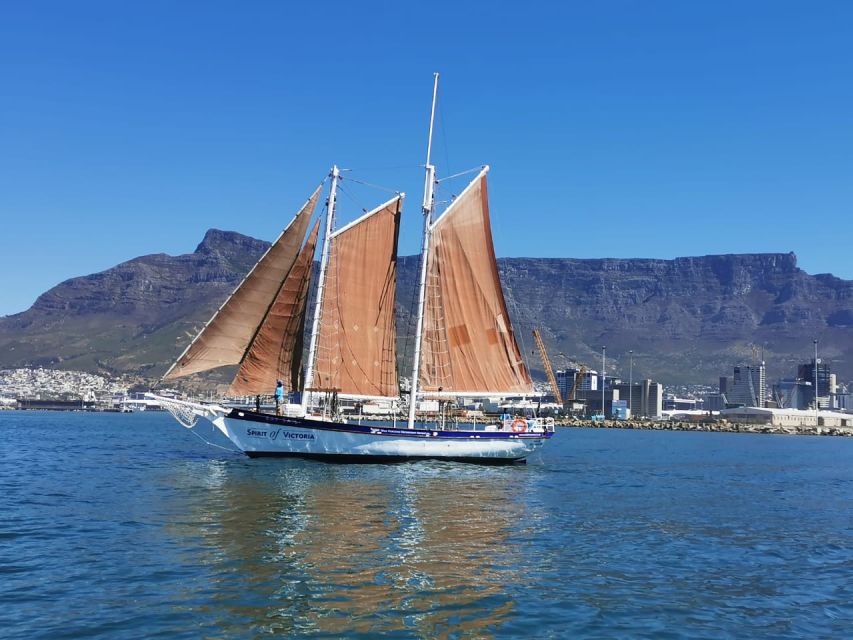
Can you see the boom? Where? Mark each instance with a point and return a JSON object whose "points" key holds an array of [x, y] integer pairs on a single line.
{"points": [[547, 364]]}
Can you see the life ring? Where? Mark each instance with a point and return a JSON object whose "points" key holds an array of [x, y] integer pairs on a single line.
{"points": [[519, 425]]}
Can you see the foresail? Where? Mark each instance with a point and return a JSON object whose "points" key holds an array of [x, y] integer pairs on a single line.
{"points": [[468, 345], [275, 352], [225, 338], [356, 349]]}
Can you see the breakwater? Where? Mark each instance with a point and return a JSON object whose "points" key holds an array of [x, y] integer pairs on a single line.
{"points": [[721, 427], [718, 426]]}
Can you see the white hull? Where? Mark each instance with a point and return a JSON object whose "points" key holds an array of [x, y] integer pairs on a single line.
{"points": [[265, 435], [256, 439], [259, 434]]}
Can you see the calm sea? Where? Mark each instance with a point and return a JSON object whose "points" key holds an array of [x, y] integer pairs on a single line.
{"points": [[128, 526]]}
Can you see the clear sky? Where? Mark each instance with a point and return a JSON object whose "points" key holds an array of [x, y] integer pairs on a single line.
{"points": [[613, 128]]}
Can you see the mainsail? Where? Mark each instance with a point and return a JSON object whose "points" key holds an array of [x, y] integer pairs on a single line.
{"points": [[468, 345], [356, 347], [276, 349], [227, 335]]}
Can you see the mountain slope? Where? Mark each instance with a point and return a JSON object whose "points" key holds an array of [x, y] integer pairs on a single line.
{"points": [[688, 319]]}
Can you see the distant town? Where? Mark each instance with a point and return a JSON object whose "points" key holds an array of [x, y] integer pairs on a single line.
{"points": [[55, 390]]}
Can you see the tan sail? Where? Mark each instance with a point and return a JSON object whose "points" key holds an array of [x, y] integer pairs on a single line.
{"points": [[226, 336], [275, 352], [356, 348], [468, 344]]}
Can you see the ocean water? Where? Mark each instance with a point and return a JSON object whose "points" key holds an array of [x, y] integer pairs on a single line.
{"points": [[129, 526]]}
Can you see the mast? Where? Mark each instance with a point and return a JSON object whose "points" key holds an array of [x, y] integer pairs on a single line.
{"points": [[429, 202], [324, 261]]}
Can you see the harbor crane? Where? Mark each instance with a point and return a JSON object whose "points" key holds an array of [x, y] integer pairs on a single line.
{"points": [[549, 371]]}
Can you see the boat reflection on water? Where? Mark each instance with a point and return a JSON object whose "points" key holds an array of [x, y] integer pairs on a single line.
{"points": [[424, 549]]}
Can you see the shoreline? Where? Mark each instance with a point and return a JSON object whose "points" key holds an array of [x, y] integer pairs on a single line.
{"points": [[653, 425]]}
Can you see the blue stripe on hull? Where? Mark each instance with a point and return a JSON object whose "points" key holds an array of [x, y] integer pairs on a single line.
{"points": [[371, 459]]}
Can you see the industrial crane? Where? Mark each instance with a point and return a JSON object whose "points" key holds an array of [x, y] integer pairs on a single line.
{"points": [[549, 371]]}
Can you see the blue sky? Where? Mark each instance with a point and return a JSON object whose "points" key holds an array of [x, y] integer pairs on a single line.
{"points": [[614, 128]]}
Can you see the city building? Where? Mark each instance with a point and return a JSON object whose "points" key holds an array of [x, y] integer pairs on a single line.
{"points": [[749, 386], [843, 399], [793, 394], [787, 417], [715, 402], [591, 398], [620, 410], [566, 379], [645, 398], [673, 403], [806, 373]]}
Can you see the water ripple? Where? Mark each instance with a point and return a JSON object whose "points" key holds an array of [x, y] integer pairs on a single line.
{"points": [[126, 526]]}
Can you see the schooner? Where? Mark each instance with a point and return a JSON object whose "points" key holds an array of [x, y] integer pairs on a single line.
{"points": [[464, 342]]}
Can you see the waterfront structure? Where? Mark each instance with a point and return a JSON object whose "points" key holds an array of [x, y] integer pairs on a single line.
{"points": [[646, 397], [787, 417], [673, 403], [715, 401], [619, 410], [592, 400], [56, 405]]}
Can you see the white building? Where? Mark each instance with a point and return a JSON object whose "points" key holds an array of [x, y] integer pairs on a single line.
{"points": [[787, 417]]}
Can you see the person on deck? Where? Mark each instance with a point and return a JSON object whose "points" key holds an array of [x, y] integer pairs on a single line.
{"points": [[279, 396]]}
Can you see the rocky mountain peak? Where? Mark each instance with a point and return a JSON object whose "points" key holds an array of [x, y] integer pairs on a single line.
{"points": [[217, 241]]}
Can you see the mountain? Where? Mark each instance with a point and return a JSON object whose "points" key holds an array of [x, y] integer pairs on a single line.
{"points": [[687, 320], [133, 317]]}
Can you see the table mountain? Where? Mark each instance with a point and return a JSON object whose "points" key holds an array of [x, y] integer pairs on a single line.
{"points": [[687, 320]]}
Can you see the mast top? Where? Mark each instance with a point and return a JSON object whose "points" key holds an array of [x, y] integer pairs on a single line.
{"points": [[432, 116]]}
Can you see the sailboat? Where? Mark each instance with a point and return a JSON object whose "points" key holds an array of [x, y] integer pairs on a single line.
{"points": [[464, 342]]}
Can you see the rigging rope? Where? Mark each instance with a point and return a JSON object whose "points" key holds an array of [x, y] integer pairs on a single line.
{"points": [[213, 444], [385, 168], [461, 173], [352, 198], [374, 186]]}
